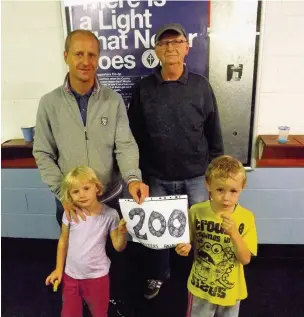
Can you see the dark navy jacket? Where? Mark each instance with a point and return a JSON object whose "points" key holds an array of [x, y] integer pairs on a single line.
{"points": [[176, 125]]}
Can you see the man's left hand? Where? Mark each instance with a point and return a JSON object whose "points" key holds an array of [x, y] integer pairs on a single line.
{"points": [[139, 191]]}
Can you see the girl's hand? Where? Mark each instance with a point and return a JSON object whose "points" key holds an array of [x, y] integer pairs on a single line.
{"points": [[122, 227], [183, 249], [55, 275]]}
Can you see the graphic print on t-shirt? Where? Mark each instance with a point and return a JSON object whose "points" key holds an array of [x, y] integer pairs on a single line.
{"points": [[214, 261]]}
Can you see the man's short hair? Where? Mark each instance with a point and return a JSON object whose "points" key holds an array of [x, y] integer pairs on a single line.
{"points": [[69, 38]]}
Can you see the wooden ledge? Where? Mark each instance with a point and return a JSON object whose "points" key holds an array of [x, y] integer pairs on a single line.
{"points": [[280, 163], [19, 163], [16, 153], [271, 153]]}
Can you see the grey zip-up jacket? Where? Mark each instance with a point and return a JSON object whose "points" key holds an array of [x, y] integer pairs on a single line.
{"points": [[62, 142]]}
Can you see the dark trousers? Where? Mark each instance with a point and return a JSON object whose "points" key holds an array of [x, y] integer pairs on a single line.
{"points": [[157, 263], [59, 211]]}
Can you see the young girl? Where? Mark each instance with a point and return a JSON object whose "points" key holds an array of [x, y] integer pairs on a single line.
{"points": [[81, 246]]}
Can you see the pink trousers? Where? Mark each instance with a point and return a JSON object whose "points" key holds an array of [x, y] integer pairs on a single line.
{"points": [[94, 291]]}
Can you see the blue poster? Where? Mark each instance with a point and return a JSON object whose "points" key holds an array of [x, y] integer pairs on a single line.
{"points": [[126, 31]]}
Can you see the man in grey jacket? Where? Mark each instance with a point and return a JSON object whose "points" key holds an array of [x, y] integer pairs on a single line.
{"points": [[84, 123]]}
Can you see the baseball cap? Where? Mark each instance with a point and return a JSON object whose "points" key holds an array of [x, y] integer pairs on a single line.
{"points": [[170, 27]]}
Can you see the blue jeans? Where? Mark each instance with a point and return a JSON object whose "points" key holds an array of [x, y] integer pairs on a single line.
{"points": [[201, 307], [196, 191], [193, 187]]}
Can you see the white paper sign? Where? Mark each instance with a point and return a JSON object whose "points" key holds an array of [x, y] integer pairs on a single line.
{"points": [[158, 223]]}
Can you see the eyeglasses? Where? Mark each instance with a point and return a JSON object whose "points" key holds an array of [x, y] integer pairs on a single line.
{"points": [[174, 43]]}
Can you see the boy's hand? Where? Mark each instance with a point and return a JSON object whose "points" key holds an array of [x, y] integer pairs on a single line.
{"points": [[72, 212], [229, 224], [55, 275], [122, 226], [183, 249]]}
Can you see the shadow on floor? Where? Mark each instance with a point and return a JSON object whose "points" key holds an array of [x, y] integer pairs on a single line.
{"points": [[275, 282]]}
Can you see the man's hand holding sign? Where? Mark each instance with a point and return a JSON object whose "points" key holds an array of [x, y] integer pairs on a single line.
{"points": [[159, 222]]}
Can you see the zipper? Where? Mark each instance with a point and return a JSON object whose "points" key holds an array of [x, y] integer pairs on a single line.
{"points": [[86, 143], [85, 133]]}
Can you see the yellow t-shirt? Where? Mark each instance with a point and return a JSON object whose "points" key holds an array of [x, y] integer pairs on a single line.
{"points": [[216, 275]]}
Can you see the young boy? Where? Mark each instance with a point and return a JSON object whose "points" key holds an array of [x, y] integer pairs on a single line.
{"points": [[224, 238]]}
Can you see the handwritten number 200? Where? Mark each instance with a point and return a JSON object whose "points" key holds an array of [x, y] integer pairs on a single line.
{"points": [[173, 230]]}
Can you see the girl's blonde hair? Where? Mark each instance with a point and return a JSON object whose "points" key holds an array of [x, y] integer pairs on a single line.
{"points": [[225, 166], [76, 176]]}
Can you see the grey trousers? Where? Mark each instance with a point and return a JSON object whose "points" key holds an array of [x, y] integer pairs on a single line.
{"points": [[202, 308]]}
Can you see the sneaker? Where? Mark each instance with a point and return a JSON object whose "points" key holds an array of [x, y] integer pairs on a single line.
{"points": [[118, 308], [153, 288]]}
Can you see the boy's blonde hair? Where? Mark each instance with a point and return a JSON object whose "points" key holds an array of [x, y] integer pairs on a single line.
{"points": [[225, 166], [75, 177]]}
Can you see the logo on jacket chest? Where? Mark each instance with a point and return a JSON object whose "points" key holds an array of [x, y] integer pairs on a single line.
{"points": [[104, 121]]}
